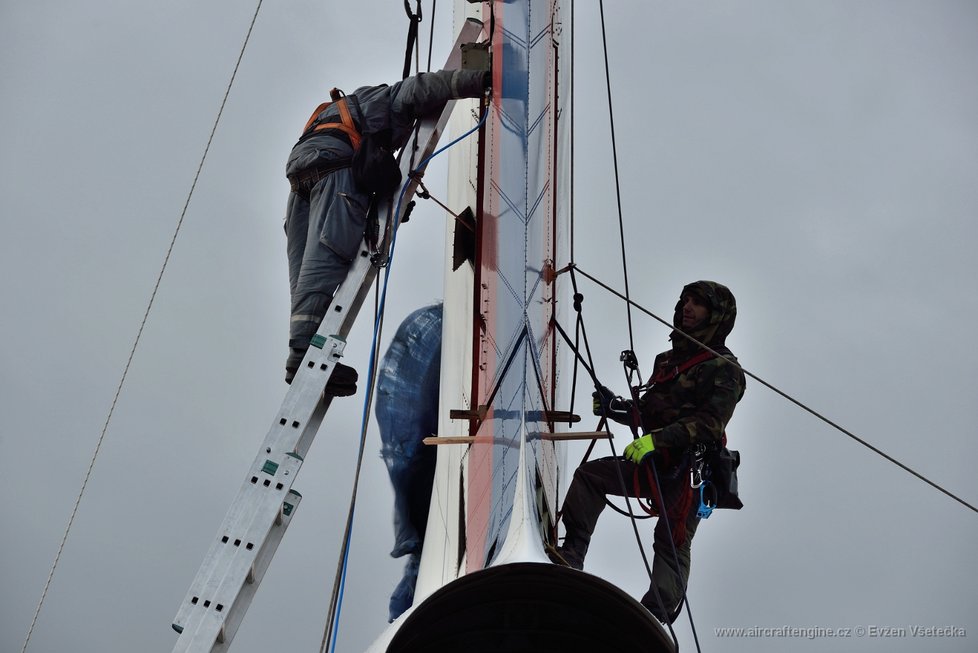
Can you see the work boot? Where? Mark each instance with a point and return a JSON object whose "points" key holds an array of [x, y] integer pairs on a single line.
{"points": [[292, 363], [651, 603], [342, 382], [565, 557]]}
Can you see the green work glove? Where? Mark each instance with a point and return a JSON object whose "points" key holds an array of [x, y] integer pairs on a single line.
{"points": [[638, 449]]}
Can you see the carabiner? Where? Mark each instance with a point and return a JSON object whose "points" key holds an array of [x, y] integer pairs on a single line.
{"points": [[629, 360], [696, 474], [705, 509]]}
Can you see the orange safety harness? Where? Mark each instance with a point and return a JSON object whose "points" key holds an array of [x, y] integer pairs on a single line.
{"points": [[347, 126]]}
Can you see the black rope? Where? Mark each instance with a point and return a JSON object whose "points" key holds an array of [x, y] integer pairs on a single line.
{"points": [[631, 370], [412, 35], [641, 547], [431, 32], [614, 155]]}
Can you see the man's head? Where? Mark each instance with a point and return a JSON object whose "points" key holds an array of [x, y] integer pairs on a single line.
{"points": [[706, 311], [695, 310]]}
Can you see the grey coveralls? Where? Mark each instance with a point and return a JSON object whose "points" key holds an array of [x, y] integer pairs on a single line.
{"points": [[325, 222]]}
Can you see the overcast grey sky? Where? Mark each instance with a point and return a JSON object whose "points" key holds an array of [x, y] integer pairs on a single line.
{"points": [[819, 158]]}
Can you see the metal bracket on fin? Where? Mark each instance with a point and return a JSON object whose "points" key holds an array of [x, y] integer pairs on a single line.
{"points": [[479, 413]]}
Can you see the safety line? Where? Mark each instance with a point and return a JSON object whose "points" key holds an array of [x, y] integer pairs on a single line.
{"points": [[624, 265], [431, 32], [785, 395], [339, 583], [139, 333]]}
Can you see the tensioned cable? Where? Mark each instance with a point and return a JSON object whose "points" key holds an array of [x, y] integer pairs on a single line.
{"points": [[332, 628], [139, 333], [788, 397]]}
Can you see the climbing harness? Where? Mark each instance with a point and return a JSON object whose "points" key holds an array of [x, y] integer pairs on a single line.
{"points": [[669, 373], [302, 183], [346, 125]]}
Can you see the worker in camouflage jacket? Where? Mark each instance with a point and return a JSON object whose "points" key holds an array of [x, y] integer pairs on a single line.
{"points": [[327, 210], [689, 400]]}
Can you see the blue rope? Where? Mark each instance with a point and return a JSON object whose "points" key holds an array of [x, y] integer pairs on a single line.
{"points": [[373, 354]]}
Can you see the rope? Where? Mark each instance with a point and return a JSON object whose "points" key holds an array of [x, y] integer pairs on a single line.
{"points": [[425, 194], [339, 583], [139, 333], [631, 336], [431, 32], [614, 155], [412, 35], [335, 608], [630, 369], [786, 395]]}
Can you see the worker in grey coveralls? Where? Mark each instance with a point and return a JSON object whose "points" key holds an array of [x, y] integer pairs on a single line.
{"points": [[326, 215]]}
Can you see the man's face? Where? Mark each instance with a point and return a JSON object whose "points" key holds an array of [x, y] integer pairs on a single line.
{"points": [[695, 311]]}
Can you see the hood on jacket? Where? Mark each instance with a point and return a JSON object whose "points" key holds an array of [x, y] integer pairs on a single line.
{"points": [[723, 312]]}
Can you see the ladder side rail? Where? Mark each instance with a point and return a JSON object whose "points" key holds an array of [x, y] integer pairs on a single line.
{"points": [[264, 506], [238, 558]]}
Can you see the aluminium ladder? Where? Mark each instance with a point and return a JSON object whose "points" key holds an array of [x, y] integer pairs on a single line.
{"points": [[255, 523]]}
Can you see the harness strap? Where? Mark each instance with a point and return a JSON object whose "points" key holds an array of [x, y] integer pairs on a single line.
{"points": [[669, 373], [676, 513], [322, 107], [347, 126]]}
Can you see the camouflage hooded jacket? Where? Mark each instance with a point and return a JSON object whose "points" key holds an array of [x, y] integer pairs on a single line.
{"points": [[694, 406]]}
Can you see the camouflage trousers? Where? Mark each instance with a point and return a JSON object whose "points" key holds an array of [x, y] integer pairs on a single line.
{"points": [[585, 501]]}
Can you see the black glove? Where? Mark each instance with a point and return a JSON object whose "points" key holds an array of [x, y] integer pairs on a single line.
{"points": [[606, 404]]}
